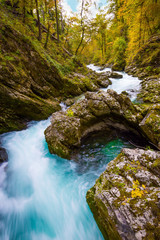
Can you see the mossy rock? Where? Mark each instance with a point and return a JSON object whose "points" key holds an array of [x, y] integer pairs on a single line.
{"points": [[125, 198]]}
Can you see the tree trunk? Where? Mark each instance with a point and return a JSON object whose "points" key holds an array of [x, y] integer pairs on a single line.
{"points": [[24, 11], [85, 45], [31, 8], [83, 29], [39, 24], [47, 37], [148, 23], [62, 24], [140, 30], [57, 22], [80, 42], [45, 2]]}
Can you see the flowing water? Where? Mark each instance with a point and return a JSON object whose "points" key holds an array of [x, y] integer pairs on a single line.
{"points": [[128, 83], [42, 197]]}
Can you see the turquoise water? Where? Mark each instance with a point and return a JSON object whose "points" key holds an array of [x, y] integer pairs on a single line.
{"points": [[42, 196]]}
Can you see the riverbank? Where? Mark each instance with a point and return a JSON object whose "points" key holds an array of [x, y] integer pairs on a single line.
{"points": [[103, 112]]}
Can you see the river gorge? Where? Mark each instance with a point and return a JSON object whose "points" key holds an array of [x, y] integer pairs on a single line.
{"points": [[44, 196]]}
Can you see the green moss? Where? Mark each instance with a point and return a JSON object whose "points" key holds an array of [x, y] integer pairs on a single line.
{"points": [[9, 58], [106, 225], [149, 68], [156, 163]]}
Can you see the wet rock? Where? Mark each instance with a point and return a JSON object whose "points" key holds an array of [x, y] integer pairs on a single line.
{"points": [[3, 155], [125, 199], [63, 134], [115, 75], [70, 101], [102, 79], [105, 83], [97, 112], [126, 93]]}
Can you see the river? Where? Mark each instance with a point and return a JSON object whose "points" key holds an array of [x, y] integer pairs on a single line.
{"points": [[128, 83], [42, 196]]}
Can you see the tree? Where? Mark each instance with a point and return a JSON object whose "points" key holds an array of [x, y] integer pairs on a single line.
{"points": [[85, 4], [101, 27], [119, 50], [47, 36], [38, 19], [57, 20]]}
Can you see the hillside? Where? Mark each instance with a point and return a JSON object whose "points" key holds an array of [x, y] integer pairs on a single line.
{"points": [[33, 80], [147, 60]]}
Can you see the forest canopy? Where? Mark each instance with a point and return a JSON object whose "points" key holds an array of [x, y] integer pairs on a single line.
{"points": [[113, 35]]}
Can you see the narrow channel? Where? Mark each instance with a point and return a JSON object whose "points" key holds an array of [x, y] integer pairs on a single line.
{"points": [[42, 197]]}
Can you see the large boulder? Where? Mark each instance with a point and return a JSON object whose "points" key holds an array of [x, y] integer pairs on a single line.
{"points": [[115, 75], [102, 79], [100, 111], [125, 200], [63, 134]]}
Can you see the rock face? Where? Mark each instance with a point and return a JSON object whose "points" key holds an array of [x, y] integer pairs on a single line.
{"points": [[100, 111], [3, 155], [125, 200]]}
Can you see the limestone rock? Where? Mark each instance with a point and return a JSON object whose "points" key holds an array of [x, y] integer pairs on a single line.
{"points": [[125, 200], [115, 75], [62, 134], [100, 111]]}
